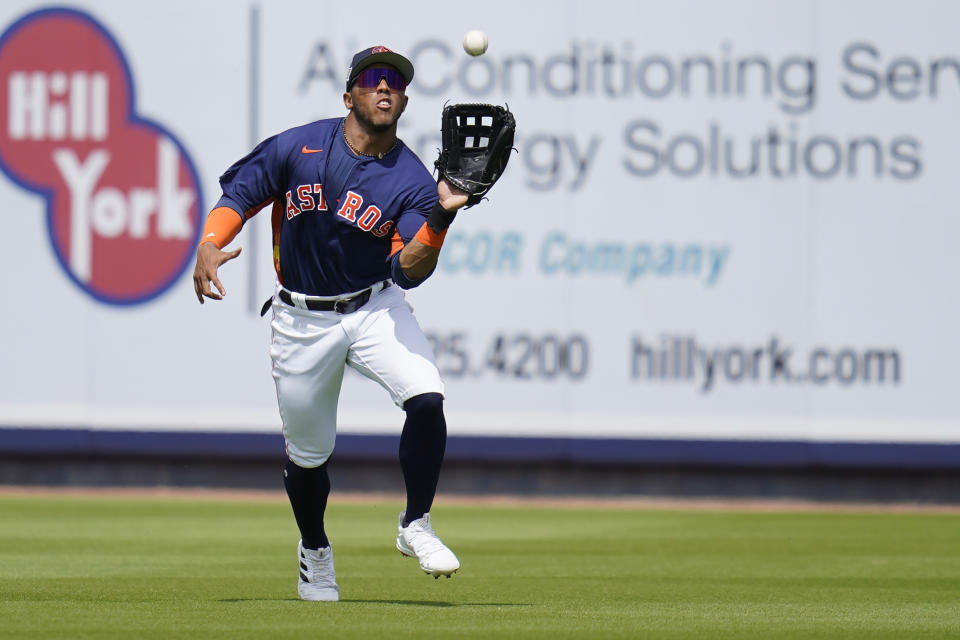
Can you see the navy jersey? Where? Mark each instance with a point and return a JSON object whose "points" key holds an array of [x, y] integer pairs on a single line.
{"points": [[339, 220]]}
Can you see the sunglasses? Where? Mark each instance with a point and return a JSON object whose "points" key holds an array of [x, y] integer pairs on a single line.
{"points": [[370, 79]]}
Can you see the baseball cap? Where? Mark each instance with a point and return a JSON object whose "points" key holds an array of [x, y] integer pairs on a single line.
{"points": [[378, 55]]}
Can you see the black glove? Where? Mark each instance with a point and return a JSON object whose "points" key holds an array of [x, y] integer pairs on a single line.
{"points": [[477, 142]]}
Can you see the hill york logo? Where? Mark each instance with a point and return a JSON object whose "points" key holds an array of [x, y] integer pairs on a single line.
{"points": [[123, 198]]}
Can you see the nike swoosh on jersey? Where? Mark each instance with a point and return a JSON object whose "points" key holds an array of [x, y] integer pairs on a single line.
{"points": [[305, 150]]}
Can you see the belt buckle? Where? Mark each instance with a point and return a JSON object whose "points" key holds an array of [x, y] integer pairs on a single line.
{"points": [[342, 306]]}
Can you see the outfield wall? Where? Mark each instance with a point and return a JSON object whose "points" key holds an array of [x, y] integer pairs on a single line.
{"points": [[728, 227]]}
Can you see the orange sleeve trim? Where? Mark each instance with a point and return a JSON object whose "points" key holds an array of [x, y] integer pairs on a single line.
{"points": [[276, 224], [254, 210], [396, 243], [429, 237], [223, 224]]}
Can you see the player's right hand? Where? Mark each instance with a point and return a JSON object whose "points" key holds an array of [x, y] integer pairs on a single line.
{"points": [[451, 198], [209, 259]]}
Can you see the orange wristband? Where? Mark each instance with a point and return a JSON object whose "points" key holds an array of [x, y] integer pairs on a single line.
{"points": [[429, 237], [223, 224]]}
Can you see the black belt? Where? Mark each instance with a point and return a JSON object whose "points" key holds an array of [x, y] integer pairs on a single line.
{"points": [[341, 305]]}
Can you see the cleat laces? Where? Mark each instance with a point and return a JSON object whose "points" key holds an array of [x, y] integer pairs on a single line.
{"points": [[423, 538], [316, 570]]}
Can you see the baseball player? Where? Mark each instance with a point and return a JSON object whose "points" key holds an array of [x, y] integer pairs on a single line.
{"points": [[356, 218]]}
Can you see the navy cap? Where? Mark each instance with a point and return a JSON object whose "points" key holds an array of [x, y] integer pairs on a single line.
{"points": [[378, 55]]}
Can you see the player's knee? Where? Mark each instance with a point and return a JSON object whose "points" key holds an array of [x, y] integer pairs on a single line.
{"points": [[424, 433], [424, 403]]}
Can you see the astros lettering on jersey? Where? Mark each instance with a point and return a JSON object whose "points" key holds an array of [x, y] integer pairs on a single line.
{"points": [[337, 226]]}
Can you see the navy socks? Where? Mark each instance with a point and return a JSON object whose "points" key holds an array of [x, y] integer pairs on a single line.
{"points": [[308, 490], [422, 444]]}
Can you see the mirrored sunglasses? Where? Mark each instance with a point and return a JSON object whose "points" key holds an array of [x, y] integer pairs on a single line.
{"points": [[370, 79]]}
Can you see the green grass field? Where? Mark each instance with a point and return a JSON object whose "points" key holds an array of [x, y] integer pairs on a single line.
{"points": [[73, 567]]}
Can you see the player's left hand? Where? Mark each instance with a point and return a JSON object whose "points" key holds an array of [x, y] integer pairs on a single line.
{"points": [[209, 259], [451, 198]]}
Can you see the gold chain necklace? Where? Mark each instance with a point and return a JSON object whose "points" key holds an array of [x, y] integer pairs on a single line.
{"points": [[378, 156]]}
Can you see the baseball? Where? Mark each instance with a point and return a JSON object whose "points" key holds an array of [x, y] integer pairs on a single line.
{"points": [[475, 42]]}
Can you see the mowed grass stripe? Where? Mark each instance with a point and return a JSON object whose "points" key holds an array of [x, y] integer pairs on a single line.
{"points": [[154, 568]]}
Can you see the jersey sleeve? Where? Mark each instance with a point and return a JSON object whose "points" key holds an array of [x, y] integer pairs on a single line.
{"points": [[255, 180], [413, 218], [408, 224]]}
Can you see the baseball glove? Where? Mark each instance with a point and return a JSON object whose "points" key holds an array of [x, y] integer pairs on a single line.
{"points": [[477, 142]]}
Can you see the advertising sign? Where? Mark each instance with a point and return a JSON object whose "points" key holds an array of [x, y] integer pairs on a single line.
{"points": [[722, 220]]}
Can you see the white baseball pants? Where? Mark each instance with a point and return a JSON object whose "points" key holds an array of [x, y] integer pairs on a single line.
{"points": [[382, 340]]}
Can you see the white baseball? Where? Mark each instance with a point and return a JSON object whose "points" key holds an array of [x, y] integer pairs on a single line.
{"points": [[475, 42]]}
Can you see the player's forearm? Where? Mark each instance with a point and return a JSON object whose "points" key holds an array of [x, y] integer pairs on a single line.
{"points": [[418, 260], [222, 225]]}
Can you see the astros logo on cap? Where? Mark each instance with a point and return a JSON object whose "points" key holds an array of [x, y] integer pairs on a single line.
{"points": [[123, 198], [380, 50]]}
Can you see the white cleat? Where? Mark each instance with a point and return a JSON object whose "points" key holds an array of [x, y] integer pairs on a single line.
{"points": [[318, 581], [417, 540]]}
